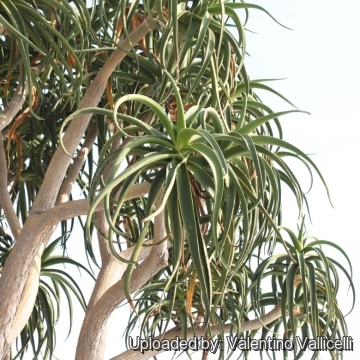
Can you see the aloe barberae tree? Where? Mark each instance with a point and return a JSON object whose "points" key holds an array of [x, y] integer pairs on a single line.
{"points": [[147, 111]]}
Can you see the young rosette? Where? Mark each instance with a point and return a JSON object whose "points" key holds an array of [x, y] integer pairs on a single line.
{"points": [[305, 282]]}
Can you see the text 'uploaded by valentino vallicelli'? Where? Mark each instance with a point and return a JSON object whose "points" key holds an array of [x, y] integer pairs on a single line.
{"points": [[320, 343]]}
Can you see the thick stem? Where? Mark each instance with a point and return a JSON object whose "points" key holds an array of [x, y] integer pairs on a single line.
{"points": [[19, 280], [109, 265], [20, 263], [89, 344], [105, 277]]}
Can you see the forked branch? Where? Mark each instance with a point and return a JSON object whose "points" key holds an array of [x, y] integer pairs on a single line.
{"points": [[90, 339], [60, 161], [20, 264]]}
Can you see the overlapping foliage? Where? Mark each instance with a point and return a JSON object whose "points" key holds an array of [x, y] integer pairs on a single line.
{"points": [[190, 123], [55, 283]]}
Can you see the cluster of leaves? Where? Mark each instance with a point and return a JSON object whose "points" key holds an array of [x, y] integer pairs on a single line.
{"points": [[41, 45], [194, 129], [213, 156], [41, 48]]}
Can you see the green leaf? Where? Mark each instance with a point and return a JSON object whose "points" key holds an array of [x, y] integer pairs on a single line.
{"points": [[195, 239]]}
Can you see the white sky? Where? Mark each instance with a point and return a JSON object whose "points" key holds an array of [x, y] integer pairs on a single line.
{"points": [[320, 61]]}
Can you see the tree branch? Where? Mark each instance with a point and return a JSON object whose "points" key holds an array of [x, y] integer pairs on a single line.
{"points": [[71, 209], [60, 161], [76, 166], [16, 103], [5, 200], [32, 240], [17, 282], [96, 319], [109, 265], [173, 333], [29, 245], [117, 268], [105, 279], [105, 252]]}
